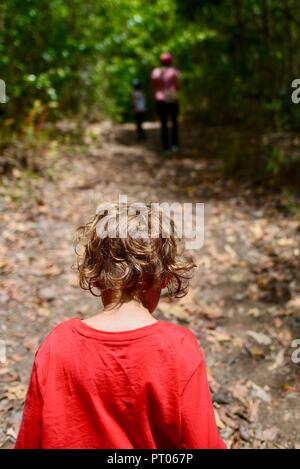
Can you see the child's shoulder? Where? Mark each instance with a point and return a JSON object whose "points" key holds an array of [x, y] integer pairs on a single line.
{"points": [[188, 350], [56, 339], [182, 336], [60, 330], [178, 331]]}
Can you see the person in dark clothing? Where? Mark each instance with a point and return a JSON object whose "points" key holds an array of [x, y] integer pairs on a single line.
{"points": [[166, 82]]}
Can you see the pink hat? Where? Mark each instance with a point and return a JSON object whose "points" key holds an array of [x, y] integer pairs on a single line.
{"points": [[166, 58]]}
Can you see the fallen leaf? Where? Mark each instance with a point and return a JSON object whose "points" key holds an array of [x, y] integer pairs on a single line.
{"points": [[238, 342], [173, 309], [43, 312], [16, 391], [261, 393], [256, 230], [73, 281], [228, 421], [279, 360], [288, 387], [230, 251], [294, 303], [219, 422], [218, 336], [259, 337], [254, 312], [211, 313], [7, 376], [11, 432], [53, 270], [255, 351], [253, 410], [240, 391], [47, 293], [6, 266], [285, 242]]}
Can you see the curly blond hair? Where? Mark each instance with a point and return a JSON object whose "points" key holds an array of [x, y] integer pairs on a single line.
{"points": [[130, 263]]}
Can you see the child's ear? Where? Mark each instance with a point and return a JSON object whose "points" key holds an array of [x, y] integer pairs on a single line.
{"points": [[166, 280]]}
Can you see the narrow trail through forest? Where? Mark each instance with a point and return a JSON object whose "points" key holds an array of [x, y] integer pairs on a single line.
{"points": [[244, 298]]}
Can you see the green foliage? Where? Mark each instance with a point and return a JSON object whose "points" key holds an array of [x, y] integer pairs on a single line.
{"points": [[237, 58], [278, 161]]}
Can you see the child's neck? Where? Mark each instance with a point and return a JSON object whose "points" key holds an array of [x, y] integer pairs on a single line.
{"points": [[130, 306], [127, 316]]}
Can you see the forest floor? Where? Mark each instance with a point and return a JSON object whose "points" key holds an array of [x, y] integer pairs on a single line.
{"points": [[244, 299]]}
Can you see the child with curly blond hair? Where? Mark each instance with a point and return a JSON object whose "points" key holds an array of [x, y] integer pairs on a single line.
{"points": [[122, 379]]}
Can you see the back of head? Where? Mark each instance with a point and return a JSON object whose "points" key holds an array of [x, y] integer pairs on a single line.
{"points": [[166, 59], [129, 249], [136, 84]]}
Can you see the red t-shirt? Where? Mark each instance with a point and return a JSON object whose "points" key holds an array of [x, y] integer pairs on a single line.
{"points": [[142, 388]]}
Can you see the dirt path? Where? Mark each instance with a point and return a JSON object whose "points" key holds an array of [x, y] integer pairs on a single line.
{"points": [[245, 296]]}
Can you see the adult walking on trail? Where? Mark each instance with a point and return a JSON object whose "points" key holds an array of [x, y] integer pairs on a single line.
{"points": [[165, 82]]}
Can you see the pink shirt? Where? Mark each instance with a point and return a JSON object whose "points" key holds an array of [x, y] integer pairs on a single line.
{"points": [[166, 83]]}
